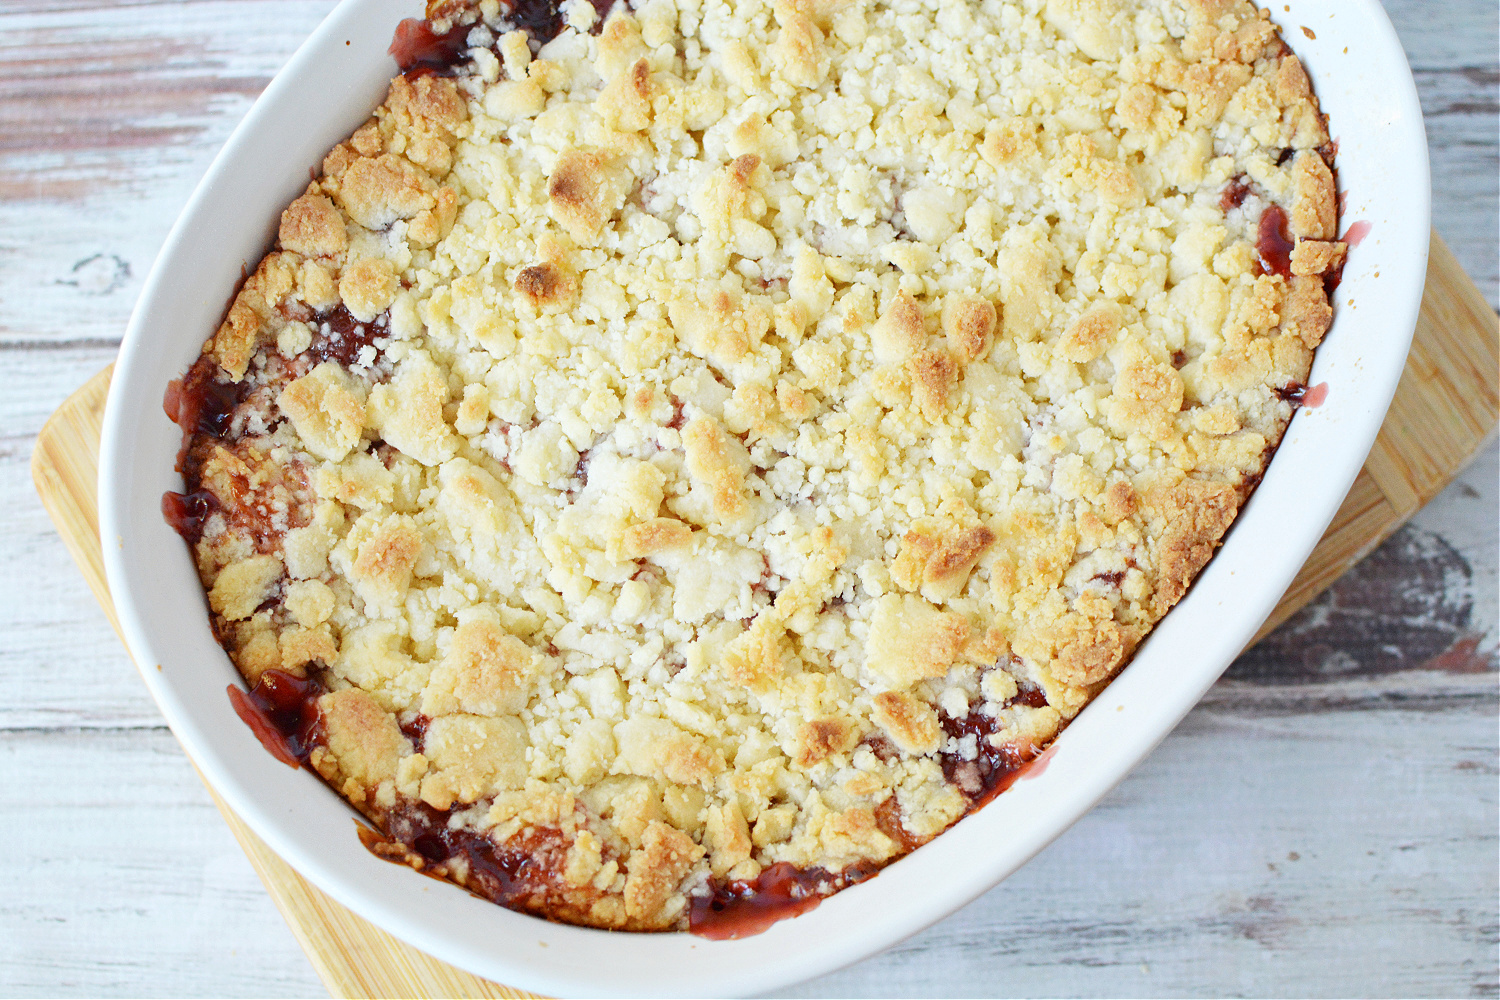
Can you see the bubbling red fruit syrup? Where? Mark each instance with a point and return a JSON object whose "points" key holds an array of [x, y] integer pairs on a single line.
{"points": [[186, 513], [1272, 248], [338, 336], [746, 908], [282, 711], [1234, 193], [415, 46]]}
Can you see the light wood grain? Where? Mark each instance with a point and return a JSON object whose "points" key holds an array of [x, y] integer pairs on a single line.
{"points": [[1445, 407]]}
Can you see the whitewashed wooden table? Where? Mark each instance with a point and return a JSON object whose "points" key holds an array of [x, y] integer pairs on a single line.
{"points": [[1323, 824]]}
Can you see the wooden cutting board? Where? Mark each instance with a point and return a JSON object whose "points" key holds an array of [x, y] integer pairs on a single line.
{"points": [[1444, 410]]}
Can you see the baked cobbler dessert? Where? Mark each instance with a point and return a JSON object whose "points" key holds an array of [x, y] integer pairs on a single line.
{"points": [[679, 457]]}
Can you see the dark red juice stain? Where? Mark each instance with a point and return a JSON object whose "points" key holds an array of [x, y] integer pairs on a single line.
{"points": [[1292, 392], [993, 769], [1272, 248], [282, 711], [339, 336], [187, 513], [520, 874], [1037, 765], [741, 909], [1234, 193], [416, 46]]}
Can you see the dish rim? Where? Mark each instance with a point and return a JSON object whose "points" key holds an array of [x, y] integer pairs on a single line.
{"points": [[1130, 717]]}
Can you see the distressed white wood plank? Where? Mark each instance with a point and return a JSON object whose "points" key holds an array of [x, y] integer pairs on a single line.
{"points": [[60, 663], [1450, 34], [108, 116], [124, 881], [1460, 110]]}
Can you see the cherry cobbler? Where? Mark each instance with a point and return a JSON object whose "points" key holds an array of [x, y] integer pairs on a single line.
{"points": [[681, 455]]}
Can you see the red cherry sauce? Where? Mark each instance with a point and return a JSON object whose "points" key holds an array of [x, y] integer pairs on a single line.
{"points": [[1234, 193], [282, 711], [338, 336], [416, 46], [416, 731], [521, 874], [1292, 393], [1273, 250], [888, 819], [1300, 395], [186, 513], [742, 909], [601, 8], [201, 404]]}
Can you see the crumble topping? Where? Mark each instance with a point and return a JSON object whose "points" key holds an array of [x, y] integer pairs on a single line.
{"points": [[708, 441]]}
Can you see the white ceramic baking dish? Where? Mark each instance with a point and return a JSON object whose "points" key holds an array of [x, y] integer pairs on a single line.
{"points": [[328, 89]]}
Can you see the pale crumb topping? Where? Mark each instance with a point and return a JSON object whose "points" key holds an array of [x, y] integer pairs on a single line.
{"points": [[715, 437]]}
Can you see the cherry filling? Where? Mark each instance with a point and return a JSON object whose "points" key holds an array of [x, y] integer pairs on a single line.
{"points": [[1300, 395], [521, 874], [416, 46], [1234, 193], [514, 875], [200, 404], [1272, 248], [744, 908], [419, 50], [993, 769], [282, 711], [186, 513], [206, 409], [540, 18], [888, 819], [416, 731], [338, 336]]}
